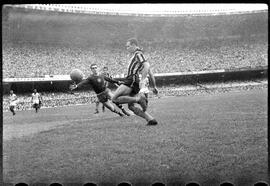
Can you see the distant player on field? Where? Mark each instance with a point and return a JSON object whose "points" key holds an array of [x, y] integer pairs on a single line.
{"points": [[36, 100], [128, 91], [98, 84], [12, 102]]}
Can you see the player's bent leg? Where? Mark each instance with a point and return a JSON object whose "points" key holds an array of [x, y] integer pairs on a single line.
{"points": [[110, 106], [146, 96], [11, 108], [150, 120], [110, 94], [97, 104], [36, 107], [123, 109], [121, 95], [140, 113], [143, 102]]}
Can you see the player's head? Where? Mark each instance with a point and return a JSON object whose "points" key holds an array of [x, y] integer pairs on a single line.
{"points": [[35, 90], [94, 68], [11, 91], [105, 69], [132, 44]]}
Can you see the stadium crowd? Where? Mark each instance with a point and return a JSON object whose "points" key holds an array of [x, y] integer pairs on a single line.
{"points": [[37, 60]]}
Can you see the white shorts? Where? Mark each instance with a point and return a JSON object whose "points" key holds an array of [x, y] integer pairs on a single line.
{"points": [[36, 102], [144, 90], [13, 103]]}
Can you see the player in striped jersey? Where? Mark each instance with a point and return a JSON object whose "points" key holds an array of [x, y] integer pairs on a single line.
{"points": [[12, 101], [128, 91]]}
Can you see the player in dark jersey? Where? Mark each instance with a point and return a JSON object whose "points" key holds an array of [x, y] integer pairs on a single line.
{"points": [[104, 73], [98, 84], [128, 91]]}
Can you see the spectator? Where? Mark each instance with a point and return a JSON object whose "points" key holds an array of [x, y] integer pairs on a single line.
{"points": [[23, 59]]}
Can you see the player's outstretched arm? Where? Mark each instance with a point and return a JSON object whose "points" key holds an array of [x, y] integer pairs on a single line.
{"points": [[79, 85], [111, 80]]}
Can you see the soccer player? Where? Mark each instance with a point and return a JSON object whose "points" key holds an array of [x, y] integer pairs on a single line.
{"points": [[145, 88], [104, 73], [36, 100], [12, 102], [146, 84], [128, 91], [152, 80], [98, 84]]}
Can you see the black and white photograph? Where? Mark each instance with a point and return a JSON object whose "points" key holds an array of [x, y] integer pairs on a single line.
{"points": [[141, 94]]}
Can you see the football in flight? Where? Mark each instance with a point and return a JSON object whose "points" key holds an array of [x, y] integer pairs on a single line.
{"points": [[76, 75]]}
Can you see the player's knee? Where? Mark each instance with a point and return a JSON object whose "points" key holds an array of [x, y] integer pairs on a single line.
{"points": [[131, 107], [114, 99], [136, 110]]}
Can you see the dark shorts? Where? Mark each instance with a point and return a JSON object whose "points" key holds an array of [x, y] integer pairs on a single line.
{"points": [[35, 105], [104, 96], [133, 83]]}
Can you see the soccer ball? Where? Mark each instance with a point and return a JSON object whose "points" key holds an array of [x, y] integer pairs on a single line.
{"points": [[76, 75]]}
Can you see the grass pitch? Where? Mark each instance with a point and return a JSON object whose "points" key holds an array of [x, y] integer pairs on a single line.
{"points": [[207, 139]]}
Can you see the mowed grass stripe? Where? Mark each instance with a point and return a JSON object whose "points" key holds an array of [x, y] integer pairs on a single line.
{"points": [[218, 137]]}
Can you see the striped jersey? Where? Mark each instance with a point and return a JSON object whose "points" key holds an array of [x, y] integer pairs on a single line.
{"points": [[136, 62]]}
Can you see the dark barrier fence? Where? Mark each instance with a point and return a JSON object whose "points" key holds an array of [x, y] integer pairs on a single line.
{"points": [[213, 76], [161, 80]]}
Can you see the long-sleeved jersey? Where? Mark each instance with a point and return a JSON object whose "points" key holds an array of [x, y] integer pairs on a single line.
{"points": [[98, 82]]}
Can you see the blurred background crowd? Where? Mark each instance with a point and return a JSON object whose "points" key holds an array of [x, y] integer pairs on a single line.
{"points": [[38, 43], [37, 60]]}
